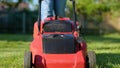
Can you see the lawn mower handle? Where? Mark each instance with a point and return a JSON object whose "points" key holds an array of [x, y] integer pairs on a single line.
{"points": [[39, 16], [74, 14]]}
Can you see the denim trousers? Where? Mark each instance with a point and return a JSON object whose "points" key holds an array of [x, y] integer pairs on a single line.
{"points": [[49, 8]]}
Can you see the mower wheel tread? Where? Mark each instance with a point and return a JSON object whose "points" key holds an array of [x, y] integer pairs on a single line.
{"points": [[28, 59], [91, 59]]}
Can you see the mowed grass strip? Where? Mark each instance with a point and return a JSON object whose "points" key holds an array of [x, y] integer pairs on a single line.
{"points": [[107, 48]]}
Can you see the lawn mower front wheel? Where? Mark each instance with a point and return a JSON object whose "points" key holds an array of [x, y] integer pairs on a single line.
{"points": [[28, 59]]}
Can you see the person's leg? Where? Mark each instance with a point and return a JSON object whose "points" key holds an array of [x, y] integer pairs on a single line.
{"points": [[60, 7], [46, 9]]}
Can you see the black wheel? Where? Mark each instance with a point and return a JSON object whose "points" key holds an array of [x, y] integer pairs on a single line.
{"points": [[91, 59], [28, 60]]}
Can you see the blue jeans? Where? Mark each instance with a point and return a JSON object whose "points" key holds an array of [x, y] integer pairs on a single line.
{"points": [[50, 8]]}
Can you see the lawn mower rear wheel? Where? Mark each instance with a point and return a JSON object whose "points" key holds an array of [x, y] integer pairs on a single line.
{"points": [[28, 59], [91, 59]]}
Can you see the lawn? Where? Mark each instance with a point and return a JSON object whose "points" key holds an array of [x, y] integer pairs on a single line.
{"points": [[107, 48], [12, 49]]}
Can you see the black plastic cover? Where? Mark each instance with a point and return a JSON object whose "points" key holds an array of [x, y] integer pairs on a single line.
{"points": [[57, 26], [58, 43]]}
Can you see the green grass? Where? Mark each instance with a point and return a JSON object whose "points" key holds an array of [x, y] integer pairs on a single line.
{"points": [[12, 49], [107, 48]]}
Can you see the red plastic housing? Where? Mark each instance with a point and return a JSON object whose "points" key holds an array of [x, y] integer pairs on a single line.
{"points": [[42, 60]]}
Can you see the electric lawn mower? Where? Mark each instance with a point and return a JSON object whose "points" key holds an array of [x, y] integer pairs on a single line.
{"points": [[57, 44]]}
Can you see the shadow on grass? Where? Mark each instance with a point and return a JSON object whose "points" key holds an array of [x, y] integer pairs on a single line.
{"points": [[107, 60], [102, 39], [15, 37]]}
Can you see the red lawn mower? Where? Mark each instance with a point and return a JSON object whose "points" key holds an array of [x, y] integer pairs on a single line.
{"points": [[57, 44]]}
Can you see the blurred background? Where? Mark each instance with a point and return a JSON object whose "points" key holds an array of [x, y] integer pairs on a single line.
{"points": [[95, 16], [100, 20]]}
